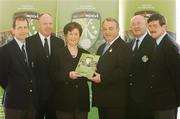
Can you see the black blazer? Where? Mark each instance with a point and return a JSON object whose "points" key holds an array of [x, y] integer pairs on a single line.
{"points": [[113, 67], [164, 74], [16, 78], [40, 63], [69, 94], [139, 68]]}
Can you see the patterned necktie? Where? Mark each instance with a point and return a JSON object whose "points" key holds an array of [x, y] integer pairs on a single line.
{"points": [[46, 47], [107, 45], [24, 54], [136, 47]]}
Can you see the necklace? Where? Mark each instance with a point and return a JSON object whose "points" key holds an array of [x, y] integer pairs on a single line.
{"points": [[73, 51]]}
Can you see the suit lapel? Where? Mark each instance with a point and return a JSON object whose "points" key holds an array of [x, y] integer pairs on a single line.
{"points": [[18, 53], [110, 49], [40, 47], [163, 41], [39, 43], [100, 52], [132, 43], [52, 42], [143, 44]]}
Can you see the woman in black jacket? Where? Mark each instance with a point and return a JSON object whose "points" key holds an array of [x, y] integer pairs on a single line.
{"points": [[71, 98]]}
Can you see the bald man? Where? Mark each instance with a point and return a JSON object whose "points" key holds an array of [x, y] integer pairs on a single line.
{"points": [[43, 46], [142, 47]]}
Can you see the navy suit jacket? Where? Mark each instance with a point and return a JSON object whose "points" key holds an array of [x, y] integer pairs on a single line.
{"points": [[40, 63], [164, 76], [69, 94], [139, 69], [16, 78], [113, 67]]}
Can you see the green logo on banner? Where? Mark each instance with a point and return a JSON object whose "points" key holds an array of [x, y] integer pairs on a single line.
{"points": [[91, 23]]}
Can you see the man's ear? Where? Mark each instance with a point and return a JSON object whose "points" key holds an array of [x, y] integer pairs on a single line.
{"points": [[165, 27]]}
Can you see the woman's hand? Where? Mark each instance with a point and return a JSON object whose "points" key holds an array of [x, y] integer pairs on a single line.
{"points": [[96, 78], [73, 75]]}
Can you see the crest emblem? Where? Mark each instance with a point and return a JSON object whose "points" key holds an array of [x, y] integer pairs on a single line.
{"points": [[90, 22], [145, 58]]}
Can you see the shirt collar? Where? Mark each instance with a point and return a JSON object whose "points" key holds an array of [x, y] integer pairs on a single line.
{"points": [[158, 40], [42, 38], [113, 40], [20, 44], [141, 38]]}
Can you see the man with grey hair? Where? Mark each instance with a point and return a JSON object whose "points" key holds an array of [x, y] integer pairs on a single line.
{"points": [[142, 47]]}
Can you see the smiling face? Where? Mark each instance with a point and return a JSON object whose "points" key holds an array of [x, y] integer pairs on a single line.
{"points": [[155, 29], [138, 25], [110, 30], [20, 29], [72, 37]]}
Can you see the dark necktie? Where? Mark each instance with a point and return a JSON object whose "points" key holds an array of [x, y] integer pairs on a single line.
{"points": [[136, 47], [107, 45], [24, 54], [46, 47]]}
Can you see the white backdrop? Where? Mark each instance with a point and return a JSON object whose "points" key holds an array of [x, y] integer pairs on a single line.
{"points": [[178, 33]]}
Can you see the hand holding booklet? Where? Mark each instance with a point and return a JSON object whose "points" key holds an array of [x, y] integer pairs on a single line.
{"points": [[87, 65]]}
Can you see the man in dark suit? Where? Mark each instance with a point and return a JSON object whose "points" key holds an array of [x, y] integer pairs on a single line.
{"points": [[16, 76], [164, 71], [43, 45], [142, 47], [109, 88]]}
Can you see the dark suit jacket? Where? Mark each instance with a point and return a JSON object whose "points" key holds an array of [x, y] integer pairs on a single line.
{"points": [[164, 75], [113, 67], [69, 94], [40, 63], [139, 68], [16, 78]]}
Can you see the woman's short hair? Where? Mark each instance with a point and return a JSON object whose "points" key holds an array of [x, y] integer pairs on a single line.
{"points": [[72, 25]]}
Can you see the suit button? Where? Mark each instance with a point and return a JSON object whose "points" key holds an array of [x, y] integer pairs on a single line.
{"points": [[30, 81], [30, 90], [152, 76], [151, 87], [131, 84], [76, 86], [130, 75]]}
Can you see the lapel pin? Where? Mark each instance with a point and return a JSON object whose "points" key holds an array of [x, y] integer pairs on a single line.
{"points": [[110, 50], [145, 58]]}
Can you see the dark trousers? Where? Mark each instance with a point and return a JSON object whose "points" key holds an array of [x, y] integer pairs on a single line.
{"points": [[19, 114], [112, 113], [166, 114], [142, 111], [46, 110], [72, 115], [139, 111]]}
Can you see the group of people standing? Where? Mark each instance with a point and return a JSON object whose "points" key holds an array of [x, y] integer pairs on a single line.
{"points": [[136, 80]]}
